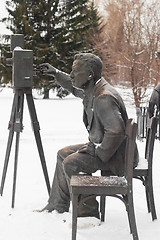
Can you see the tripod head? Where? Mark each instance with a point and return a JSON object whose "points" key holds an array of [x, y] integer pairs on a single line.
{"points": [[21, 62]]}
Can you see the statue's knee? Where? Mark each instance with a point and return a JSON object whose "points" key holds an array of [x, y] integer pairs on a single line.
{"points": [[70, 166], [60, 155], [64, 153], [67, 168]]}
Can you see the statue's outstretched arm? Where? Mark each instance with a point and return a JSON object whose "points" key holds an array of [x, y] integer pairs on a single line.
{"points": [[62, 78]]}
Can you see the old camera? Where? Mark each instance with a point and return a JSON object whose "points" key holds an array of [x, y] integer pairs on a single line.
{"points": [[22, 69], [22, 63]]}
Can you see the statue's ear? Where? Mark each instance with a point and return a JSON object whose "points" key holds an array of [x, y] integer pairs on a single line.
{"points": [[91, 76]]}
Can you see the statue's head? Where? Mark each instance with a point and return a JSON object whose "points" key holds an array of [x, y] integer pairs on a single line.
{"points": [[86, 67]]}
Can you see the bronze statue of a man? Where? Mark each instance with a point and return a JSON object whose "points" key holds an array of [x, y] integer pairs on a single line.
{"points": [[105, 118]]}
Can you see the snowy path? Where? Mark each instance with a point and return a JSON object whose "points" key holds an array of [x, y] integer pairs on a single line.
{"points": [[61, 125]]}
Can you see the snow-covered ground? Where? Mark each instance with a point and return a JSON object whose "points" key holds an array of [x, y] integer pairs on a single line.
{"points": [[61, 125]]}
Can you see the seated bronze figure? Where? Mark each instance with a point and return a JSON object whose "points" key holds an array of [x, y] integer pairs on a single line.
{"points": [[105, 119]]}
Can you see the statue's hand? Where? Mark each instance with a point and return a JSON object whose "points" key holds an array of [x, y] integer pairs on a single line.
{"points": [[88, 148], [154, 101], [47, 69]]}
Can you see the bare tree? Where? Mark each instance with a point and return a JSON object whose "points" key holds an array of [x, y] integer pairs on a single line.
{"points": [[132, 32]]}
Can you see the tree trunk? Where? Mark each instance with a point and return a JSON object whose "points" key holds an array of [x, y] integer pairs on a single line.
{"points": [[46, 94], [134, 87]]}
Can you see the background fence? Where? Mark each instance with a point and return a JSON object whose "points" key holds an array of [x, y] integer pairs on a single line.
{"points": [[143, 122]]}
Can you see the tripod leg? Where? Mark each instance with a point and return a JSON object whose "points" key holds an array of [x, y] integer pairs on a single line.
{"points": [[17, 128], [36, 128], [10, 139], [15, 168], [9, 144]]}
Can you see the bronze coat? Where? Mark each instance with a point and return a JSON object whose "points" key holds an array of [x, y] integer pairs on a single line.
{"points": [[105, 118]]}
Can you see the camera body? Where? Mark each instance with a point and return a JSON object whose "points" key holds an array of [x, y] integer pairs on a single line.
{"points": [[22, 68], [22, 63]]}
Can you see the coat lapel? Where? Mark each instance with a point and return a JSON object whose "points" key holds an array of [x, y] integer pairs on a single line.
{"points": [[88, 105], [88, 112], [90, 118]]}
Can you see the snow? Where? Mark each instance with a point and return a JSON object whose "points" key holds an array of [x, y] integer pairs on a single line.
{"points": [[61, 125]]}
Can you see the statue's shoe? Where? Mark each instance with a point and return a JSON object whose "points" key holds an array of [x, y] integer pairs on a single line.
{"points": [[49, 208]]}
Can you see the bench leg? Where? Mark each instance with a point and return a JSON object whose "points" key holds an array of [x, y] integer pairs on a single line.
{"points": [[147, 194], [151, 199], [131, 216], [102, 207], [74, 215]]}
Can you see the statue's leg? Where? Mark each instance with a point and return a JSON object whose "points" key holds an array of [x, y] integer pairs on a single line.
{"points": [[59, 196], [82, 163]]}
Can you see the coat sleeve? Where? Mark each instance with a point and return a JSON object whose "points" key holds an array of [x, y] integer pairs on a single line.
{"points": [[109, 115], [157, 88], [64, 80]]}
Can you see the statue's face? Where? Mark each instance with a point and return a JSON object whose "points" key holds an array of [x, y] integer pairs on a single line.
{"points": [[79, 74]]}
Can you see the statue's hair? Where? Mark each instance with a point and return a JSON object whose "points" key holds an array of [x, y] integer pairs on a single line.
{"points": [[93, 63]]}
